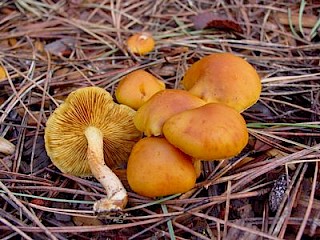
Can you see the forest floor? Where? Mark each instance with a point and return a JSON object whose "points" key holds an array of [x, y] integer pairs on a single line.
{"points": [[49, 48]]}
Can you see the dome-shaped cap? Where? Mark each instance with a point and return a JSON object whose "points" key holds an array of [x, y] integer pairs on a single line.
{"points": [[224, 78], [156, 168], [162, 105], [210, 132], [137, 87], [141, 43]]}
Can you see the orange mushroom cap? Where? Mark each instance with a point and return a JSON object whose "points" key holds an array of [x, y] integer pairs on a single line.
{"points": [[157, 168], [211, 132], [137, 87], [150, 116], [141, 43], [224, 78]]}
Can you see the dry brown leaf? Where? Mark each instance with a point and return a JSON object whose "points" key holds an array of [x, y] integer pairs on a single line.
{"points": [[276, 153], [60, 47], [86, 221], [244, 161], [39, 46], [165, 70], [61, 72], [173, 51], [12, 41], [39, 202], [261, 146], [214, 20]]}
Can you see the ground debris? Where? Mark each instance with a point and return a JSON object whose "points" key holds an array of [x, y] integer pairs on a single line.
{"points": [[51, 48]]}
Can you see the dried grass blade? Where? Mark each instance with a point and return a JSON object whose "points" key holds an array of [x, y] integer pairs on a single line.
{"points": [[309, 207]]}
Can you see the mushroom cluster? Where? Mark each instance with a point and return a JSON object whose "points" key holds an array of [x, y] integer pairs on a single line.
{"points": [[182, 127], [90, 134]]}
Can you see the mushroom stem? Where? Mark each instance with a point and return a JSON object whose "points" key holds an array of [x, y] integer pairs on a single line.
{"points": [[116, 193]]}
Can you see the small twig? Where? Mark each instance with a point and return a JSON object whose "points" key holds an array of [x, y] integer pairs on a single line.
{"points": [[226, 214], [14, 228], [31, 216], [310, 204]]}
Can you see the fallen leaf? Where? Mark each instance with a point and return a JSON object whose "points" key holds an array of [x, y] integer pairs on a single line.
{"points": [[213, 20], [260, 146], [86, 221], [12, 41], [173, 51], [61, 72], [244, 161], [273, 153], [60, 47], [39, 46], [39, 202], [165, 70]]}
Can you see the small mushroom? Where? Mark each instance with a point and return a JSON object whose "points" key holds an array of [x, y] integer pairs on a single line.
{"points": [[156, 168], [141, 43], [89, 134], [6, 147], [162, 105], [3, 74], [224, 78], [137, 87], [210, 132]]}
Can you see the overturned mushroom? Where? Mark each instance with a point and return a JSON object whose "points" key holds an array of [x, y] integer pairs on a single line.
{"points": [[89, 134]]}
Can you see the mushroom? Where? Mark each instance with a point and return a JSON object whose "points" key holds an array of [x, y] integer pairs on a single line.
{"points": [[137, 87], [162, 105], [210, 132], [224, 78], [6, 147], [156, 168], [88, 135], [3, 73], [141, 43]]}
